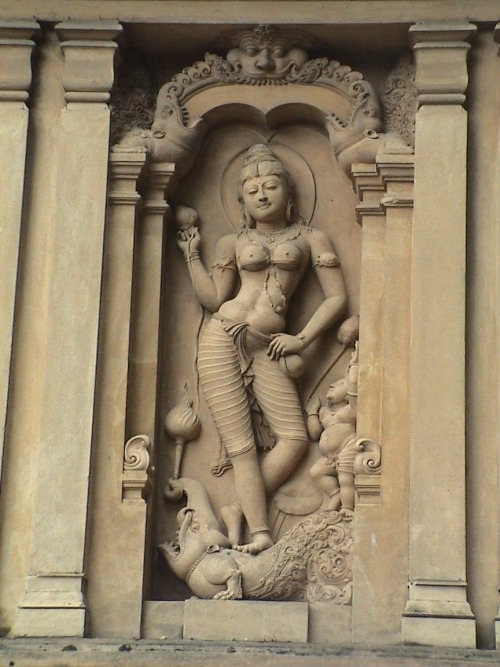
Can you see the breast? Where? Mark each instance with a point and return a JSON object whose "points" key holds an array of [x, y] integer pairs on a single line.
{"points": [[287, 256], [253, 257]]}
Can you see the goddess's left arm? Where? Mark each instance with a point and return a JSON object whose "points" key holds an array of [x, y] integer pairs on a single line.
{"points": [[327, 269]]}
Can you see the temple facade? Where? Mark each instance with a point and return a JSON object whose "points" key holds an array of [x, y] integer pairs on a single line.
{"points": [[249, 333]]}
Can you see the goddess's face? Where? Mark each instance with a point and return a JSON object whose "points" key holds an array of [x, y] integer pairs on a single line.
{"points": [[266, 198]]}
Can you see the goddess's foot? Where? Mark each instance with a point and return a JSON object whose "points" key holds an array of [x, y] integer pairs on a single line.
{"points": [[260, 542], [232, 517], [347, 512]]}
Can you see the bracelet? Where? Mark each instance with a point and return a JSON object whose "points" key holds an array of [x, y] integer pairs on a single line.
{"points": [[313, 414], [303, 339], [192, 256]]}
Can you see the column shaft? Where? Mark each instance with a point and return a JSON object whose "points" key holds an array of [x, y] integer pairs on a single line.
{"points": [[15, 80], [380, 537], [141, 413], [116, 531]]}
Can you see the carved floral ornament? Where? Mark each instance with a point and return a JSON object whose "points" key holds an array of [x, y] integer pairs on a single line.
{"points": [[258, 57]]}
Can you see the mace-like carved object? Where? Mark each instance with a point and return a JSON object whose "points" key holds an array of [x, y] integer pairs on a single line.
{"points": [[182, 424]]}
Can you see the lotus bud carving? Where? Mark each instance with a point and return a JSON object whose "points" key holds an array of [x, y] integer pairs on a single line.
{"points": [[183, 424]]}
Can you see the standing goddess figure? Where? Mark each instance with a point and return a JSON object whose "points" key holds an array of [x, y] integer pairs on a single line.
{"points": [[245, 356]]}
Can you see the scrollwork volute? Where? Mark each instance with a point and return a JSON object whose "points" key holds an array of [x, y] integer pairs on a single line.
{"points": [[368, 460], [136, 461]]}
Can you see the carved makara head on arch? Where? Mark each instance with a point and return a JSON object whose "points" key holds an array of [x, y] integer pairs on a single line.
{"points": [[266, 52], [260, 164]]}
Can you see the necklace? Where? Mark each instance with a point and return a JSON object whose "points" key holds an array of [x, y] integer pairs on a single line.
{"points": [[288, 233]]}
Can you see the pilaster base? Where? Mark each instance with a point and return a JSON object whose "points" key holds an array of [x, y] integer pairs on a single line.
{"points": [[497, 631], [438, 614], [51, 607], [439, 631], [49, 622]]}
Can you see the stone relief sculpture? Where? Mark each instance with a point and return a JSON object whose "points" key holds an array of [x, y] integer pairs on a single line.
{"points": [[264, 55], [248, 364], [244, 350], [335, 427], [399, 100], [312, 561], [133, 98]]}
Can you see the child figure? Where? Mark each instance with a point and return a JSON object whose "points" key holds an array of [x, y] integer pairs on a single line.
{"points": [[335, 427]]}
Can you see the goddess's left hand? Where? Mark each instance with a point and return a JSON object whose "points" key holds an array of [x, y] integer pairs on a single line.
{"points": [[283, 344]]}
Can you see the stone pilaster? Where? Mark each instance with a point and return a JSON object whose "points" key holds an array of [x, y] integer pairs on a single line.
{"points": [[381, 545], [438, 612], [54, 602], [146, 311], [141, 413], [370, 190], [16, 46], [116, 532], [496, 208]]}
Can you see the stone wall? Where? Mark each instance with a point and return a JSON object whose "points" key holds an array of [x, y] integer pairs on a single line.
{"points": [[398, 165]]}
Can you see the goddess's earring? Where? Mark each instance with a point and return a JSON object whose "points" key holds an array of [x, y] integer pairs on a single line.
{"points": [[247, 219]]}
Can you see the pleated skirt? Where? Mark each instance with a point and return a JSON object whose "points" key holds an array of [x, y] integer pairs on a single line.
{"points": [[235, 373]]}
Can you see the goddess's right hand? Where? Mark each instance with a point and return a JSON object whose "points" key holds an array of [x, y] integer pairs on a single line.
{"points": [[189, 240]]}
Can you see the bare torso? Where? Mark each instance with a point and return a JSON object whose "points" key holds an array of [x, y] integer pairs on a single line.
{"points": [[269, 271]]}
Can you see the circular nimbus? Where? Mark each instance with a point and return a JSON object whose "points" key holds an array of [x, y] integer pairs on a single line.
{"points": [[304, 186]]}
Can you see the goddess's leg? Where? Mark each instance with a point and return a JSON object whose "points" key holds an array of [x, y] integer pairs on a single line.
{"points": [[279, 402], [252, 497], [224, 390], [227, 400]]}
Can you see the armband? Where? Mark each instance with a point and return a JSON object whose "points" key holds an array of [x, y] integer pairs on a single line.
{"points": [[329, 259], [225, 263]]}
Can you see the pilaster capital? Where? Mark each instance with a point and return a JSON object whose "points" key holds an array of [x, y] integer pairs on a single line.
{"points": [[159, 177], [125, 169], [88, 50], [441, 58], [16, 45]]}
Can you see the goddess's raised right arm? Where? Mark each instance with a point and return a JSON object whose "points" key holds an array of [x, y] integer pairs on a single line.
{"points": [[211, 290]]}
